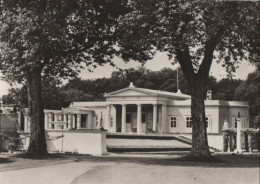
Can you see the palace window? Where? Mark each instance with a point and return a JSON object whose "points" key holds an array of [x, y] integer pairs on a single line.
{"points": [[207, 121], [52, 117], [173, 122], [188, 122]]}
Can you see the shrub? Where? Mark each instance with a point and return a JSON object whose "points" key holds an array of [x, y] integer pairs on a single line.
{"points": [[12, 147], [255, 138], [227, 133]]}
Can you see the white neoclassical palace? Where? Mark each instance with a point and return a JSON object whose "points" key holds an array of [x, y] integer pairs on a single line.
{"points": [[139, 110]]}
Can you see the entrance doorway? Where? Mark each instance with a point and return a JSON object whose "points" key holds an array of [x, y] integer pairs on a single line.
{"points": [[129, 120]]}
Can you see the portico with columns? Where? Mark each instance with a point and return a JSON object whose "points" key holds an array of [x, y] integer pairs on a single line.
{"points": [[139, 110], [134, 118]]}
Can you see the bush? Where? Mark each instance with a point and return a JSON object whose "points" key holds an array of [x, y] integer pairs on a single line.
{"points": [[227, 133], [255, 138], [12, 147], [253, 143], [225, 141]]}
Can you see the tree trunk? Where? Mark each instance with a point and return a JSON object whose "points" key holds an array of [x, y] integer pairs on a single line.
{"points": [[37, 146], [199, 133]]}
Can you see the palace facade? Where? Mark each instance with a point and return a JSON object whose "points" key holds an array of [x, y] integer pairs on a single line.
{"points": [[139, 110]]}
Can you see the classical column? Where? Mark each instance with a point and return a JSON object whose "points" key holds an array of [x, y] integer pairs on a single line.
{"points": [[50, 120], [65, 120], [239, 126], [108, 119], [123, 124], [69, 121], [73, 121], [113, 128], [154, 117], [55, 119], [46, 120], [25, 124], [78, 121], [164, 119], [139, 118]]}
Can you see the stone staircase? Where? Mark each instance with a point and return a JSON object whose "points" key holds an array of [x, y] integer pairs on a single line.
{"points": [[146, 143], [149, 143]]}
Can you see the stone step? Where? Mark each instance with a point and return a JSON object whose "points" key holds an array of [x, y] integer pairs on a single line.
{"points": [[210, 147], [116, 149]]}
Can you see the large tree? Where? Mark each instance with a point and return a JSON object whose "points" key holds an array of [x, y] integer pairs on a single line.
{"points": [[195, 34], [52, 38]]}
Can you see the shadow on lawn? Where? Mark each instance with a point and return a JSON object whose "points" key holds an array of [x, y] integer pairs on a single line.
{"points": [[55, 156], [232, 161], [228, 161], [5, 160]]}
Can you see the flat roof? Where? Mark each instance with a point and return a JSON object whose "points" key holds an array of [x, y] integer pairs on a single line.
{"points": [[210, 103]]}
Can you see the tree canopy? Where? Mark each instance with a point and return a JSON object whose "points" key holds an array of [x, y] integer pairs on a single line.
{"points": [[56, 36]]}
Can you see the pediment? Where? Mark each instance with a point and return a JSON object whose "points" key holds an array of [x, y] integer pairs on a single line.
{"points": [[130, 92]]}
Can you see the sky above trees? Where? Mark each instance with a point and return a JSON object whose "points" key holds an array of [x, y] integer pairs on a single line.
{"points": [[160, 61]]}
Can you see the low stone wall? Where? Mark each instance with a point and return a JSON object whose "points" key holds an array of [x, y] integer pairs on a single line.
{"points": [[82, 142]]}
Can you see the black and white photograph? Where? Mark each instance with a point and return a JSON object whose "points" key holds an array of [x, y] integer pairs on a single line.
{"points": [[129, 92]]}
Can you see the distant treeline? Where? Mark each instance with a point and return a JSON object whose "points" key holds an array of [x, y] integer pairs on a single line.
{"points": [[56, 95]]}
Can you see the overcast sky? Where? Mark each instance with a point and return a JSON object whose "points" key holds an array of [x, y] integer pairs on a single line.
{"points": [[160, 61]]}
